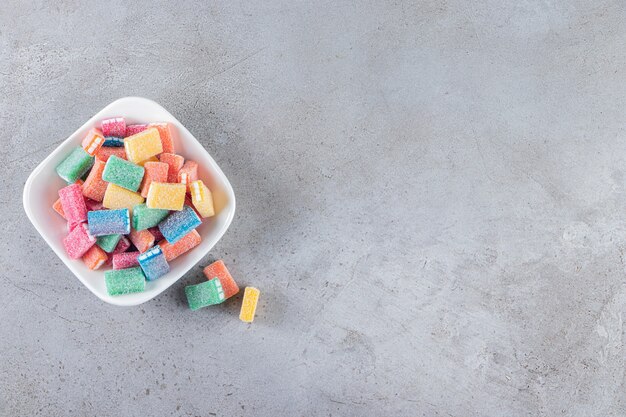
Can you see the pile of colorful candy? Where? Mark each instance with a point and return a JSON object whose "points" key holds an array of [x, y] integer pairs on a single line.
{"points": [[127, 190]]}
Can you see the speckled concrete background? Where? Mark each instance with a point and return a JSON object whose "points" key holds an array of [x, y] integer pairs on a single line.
{"points": [[431, 198]]}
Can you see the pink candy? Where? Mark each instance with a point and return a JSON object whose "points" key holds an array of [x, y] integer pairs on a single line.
{"points": [[73, 204], [122, 245], [78, 241], [125, 260], [133, 129], [114, 127], [93, 205]]}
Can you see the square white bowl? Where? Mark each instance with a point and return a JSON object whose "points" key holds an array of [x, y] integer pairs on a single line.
{"points": [[42, 186]]}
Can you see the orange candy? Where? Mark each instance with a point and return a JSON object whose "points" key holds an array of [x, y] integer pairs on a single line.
{"points": [[58, 207], [95, 257], [94, 186], [155, 171], [218, 270], [143, 239], [106, 151], [167, 142], [188, 173], [185, 244], [175, 163], [93, 141]]}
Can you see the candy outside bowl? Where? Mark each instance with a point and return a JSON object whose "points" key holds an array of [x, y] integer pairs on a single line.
{"points": [[42, 186]]}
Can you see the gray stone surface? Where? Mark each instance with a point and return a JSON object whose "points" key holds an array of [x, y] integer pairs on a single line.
{"points": [[431, 198]]}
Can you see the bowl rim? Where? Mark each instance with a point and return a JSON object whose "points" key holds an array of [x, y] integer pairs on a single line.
{"points": [[128, 299]]}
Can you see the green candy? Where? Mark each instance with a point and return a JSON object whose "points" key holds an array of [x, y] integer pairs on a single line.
{"points": [[75, 165], [145, 218], [108, 242], [123, 173], [204, 294], [124, 281]]}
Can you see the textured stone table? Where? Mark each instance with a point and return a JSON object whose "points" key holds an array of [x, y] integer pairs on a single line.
{"points": [[431, 198]]}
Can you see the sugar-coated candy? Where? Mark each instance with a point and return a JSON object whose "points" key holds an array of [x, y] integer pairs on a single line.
{"points": [[145, 218], [249, 303], [125, 260], [158, 236], [202, 199], [114, 127], [165, 133], [166, 196], [188, 173], [78, 241], [145, 161], [74, 165], [114, 141], [92, 204], [95, 257], [121, 172], [58, 207], [94, 186], [142, 239], [153, 263], [174, 250], [108, 222], [143, 145], [108, 243], [155, 172], [218, 270], [106, 151], [73, 203], [122, 245], [124, 281], [174, 162], [204, 294], [118, 197], [134, 129], [179, 223], [93, 141]]}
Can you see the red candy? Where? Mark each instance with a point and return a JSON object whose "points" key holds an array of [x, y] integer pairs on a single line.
{"points": [[156, 232], [73, 203], [78, 241]]}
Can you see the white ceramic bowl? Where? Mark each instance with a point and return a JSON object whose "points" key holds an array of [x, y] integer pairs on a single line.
{"points": [[42, 186]]}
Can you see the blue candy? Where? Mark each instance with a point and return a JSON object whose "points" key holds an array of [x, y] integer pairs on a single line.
{"points": [[179, 223], [153, 263], [113, 141], [108, 222]]}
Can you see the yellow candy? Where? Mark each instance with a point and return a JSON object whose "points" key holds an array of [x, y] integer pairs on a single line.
{"points": [[143, 145], [151, 159], [248, 305], [117, 197], [168, 196], [202, 199]]}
